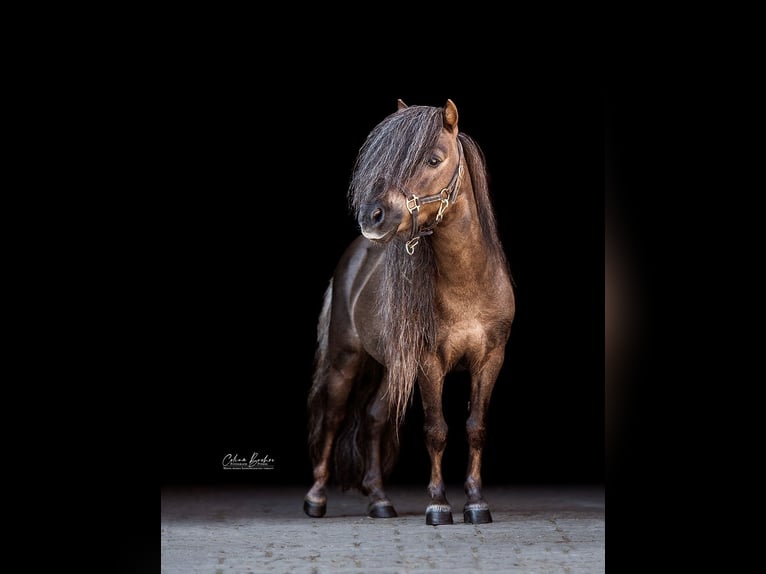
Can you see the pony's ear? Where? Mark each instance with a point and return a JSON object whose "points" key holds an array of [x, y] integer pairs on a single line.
{"points": [[400, 105], [450, 116]]}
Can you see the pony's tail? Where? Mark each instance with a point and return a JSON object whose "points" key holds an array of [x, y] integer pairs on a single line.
{"points": [[352, 444], [317, 401]]}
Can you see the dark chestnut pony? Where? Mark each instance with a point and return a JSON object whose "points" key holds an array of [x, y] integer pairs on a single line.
{"points": [[425, 290]]}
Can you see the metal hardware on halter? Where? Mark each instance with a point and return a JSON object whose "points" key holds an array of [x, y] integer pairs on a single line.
{"points": [[443, 205], [445, 197]]}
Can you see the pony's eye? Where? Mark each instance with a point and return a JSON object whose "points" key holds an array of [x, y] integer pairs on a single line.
{"points": [[433, 161]]}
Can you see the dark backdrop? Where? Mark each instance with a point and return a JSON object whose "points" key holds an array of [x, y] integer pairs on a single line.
{"points": [[251, 204]]}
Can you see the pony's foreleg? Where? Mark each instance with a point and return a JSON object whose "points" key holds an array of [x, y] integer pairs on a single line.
{"points": [[439, 510], [476, 510], [372, 484], [340, 378]]}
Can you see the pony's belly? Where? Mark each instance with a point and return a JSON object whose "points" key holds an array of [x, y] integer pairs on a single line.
{"points": [[368, 325]]}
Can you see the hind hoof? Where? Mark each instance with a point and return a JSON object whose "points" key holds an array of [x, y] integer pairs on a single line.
{"points": [[438, 514], [383, 509], [314, 509], [476, 514]]}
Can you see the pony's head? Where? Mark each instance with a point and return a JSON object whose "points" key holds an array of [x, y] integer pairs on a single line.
{"points": [[414, 152]]}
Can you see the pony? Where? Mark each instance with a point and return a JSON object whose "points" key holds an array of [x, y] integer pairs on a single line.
{"points": [[424, 290]]}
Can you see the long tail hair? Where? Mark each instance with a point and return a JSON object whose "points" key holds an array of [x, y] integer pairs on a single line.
{"points": [[351, 450]]}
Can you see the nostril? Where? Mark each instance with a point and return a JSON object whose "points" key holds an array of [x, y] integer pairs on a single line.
{"points": [[377, 216]]}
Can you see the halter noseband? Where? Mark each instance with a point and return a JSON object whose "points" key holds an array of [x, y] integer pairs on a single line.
{"points": [[446, 196]]}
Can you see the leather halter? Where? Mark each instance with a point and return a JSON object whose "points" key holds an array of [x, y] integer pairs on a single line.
{"points": [[446, 196]]}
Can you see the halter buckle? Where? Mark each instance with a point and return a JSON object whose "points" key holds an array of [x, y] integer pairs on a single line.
{"points": [[410, 245], [413, 204], [443, 204]]}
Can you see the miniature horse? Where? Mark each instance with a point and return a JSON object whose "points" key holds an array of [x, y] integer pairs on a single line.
{"points": [[425, 290]]}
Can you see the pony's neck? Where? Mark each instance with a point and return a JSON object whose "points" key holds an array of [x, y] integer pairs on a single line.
{"points": [[458, 245]]}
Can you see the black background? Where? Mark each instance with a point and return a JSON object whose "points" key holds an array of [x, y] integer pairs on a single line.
{"points": [[238, 161], [253, 217]]}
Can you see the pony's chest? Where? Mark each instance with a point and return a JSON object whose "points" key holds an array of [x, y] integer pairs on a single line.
{"points": [[458, 338], [467, 324]]}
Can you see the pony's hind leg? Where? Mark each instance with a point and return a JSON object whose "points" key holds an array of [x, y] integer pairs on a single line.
{"points": [[372, 483], [476, 510], [336, 382]]}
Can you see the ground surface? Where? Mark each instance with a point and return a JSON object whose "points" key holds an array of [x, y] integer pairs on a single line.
{"points": [[263, 529]]}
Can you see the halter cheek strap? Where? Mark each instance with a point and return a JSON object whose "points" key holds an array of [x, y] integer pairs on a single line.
{"points": [[446, 197]]}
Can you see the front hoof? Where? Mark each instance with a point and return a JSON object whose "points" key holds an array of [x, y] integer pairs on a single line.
{"points": [[314, 509], [438, 514], [477, 514], [381, 509]]}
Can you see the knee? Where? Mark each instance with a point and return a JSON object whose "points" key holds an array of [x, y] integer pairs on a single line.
{"points": [[377, 416], [436, 434], [476, 431]]}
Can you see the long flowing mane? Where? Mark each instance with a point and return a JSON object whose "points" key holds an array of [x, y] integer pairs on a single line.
{"points": [[388, 158], [477, 167]]}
